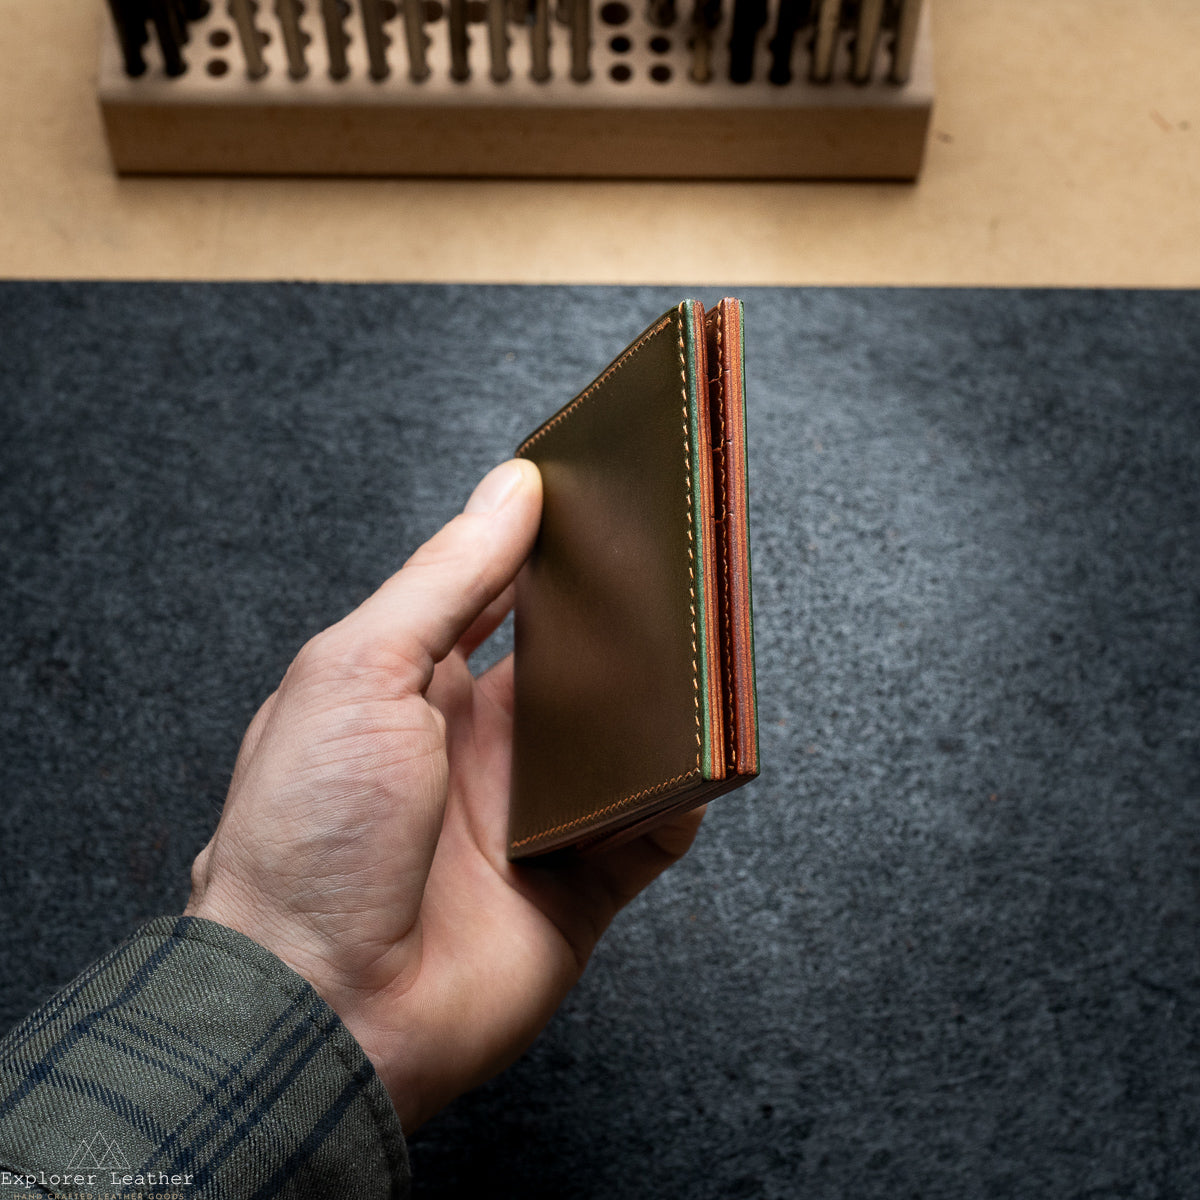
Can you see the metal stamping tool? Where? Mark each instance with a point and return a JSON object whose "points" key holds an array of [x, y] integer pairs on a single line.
{"points": [[243, 12], [376, 39], [749, 16], [415, 40], [581, 40], [460, 43], [294, 38], [539, 42], [904, 43], [825, 40], [130, 20], [660, 13], [498, 40], [793, 15], [333, 19], [866, 40], [706, 16], [169, 27]]}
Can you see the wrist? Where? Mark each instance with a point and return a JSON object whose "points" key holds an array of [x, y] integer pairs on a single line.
{"points": [[349, 1007], [272, 936], [303, 955]]}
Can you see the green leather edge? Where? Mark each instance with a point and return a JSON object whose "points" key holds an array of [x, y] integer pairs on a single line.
{"points": [[692, 328]]}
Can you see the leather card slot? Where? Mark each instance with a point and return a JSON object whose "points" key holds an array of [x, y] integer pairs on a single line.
{"points": [[695, 402], [740, 633], [718, 397]]}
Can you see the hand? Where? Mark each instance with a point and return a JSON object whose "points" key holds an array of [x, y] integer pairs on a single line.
{"points": [[363, 838]]}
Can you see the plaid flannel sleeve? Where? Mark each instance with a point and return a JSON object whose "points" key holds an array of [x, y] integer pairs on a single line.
{"points": [[191, 1062]]}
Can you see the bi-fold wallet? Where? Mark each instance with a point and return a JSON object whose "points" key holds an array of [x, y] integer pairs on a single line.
{"points": [[634, 641]]}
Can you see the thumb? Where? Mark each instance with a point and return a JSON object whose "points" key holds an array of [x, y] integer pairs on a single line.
{"points": [[415, 619]]}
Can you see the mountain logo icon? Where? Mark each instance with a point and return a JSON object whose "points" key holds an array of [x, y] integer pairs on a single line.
{"points": [[100, 1153]]}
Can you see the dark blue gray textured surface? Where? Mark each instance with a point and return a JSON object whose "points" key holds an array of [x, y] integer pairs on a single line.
{"points": [[946, 946]]}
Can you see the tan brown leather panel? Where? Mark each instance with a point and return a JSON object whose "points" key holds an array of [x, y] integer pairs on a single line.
{"points": [[608, 710], [726, 322]]}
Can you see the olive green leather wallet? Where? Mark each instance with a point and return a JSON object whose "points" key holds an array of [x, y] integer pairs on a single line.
{"points": [[634, 644]]}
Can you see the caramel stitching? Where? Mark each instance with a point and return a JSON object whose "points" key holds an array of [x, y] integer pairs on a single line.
{"points": [[596, 383], [616, 804]]}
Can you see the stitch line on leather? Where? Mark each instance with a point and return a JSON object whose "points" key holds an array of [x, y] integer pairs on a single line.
{"points": [[558, 418], [730, 719], [608, 808], [691, 526]]}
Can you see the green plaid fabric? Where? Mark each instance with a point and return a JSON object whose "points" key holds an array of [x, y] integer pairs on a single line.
{"points": [[190, 1063]]}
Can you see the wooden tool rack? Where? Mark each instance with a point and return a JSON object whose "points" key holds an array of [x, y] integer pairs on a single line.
{"points": [[261, 88]]}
